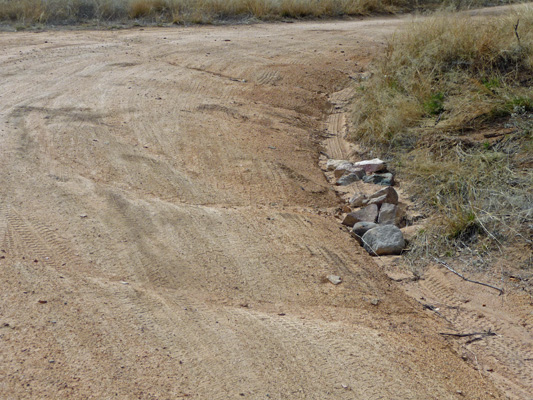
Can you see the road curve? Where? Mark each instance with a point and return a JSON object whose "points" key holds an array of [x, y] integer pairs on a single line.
{"points": [[165, 231]]}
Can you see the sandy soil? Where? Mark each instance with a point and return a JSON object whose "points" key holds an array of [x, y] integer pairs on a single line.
{"points": [[165, 231]]}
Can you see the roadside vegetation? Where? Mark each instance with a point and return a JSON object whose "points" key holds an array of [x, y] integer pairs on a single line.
{"points": [[30, 12], [450, 104], [184, 11]]}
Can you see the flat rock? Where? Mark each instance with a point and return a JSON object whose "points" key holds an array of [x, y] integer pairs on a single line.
{"points": [[348, 179], [371, 166], [342, 169], [377, 200], [391, 196], [334, 279], [350, 220], [366, 214], [357, 200], [331, 164], [386, 179], [384, 240], [387, 214]]}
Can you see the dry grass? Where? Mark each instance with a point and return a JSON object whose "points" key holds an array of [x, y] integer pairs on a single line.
{"points": [[451, 104], [187, 11]]}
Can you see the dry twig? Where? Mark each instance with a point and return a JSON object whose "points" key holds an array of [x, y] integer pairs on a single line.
{"points": [[443, 263]]}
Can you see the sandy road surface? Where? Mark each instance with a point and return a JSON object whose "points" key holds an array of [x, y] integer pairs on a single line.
{"points": [[165, 230]]}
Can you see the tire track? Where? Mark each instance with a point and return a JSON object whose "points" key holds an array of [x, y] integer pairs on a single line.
{"points": [[511, 355], [268, 77]]}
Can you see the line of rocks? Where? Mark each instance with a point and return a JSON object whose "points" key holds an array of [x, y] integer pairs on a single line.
{"points": [[375, 223]]}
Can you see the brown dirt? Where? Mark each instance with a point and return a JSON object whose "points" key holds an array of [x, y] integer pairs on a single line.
{"points": [[166, 231]]}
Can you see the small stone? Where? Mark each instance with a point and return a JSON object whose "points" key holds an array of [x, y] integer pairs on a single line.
{"points": [[360, 228], [349, 220], [83, 215], [342, 169], [386, 179], [348, 179], [357, 200], [374, 302], [387, 214], [346, 209], [371, 166], [331, 165], [391, 196], [368, 214], [378, 200], [334, 279], [384, 240]]}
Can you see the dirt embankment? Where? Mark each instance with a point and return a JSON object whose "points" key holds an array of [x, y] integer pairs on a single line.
{"points": [[165, 229]]}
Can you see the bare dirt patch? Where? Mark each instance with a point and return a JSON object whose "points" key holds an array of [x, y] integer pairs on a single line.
{"points": [[166, 232]]}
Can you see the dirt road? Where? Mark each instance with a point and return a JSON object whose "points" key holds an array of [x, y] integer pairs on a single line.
{"points": [[166, 232]]}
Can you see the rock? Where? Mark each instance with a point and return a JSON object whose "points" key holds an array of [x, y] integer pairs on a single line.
{"points": [[349, 220], [346, 209], [378, 200], [386, 179], [384, 240], [363, 227], [331, 165], [342, 169], [391, 196], [334, 279], [387, 214], [401, 215], [370, 166], [350, 178], [357, 200], [360, 228], [367, 214]]}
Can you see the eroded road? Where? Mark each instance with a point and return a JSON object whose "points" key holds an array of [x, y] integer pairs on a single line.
{"points": [[165, 230]]}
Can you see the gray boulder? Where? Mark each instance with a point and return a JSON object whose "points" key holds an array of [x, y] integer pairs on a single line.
{"points": [[367, 214], [350, 177], [387, 214], [342, 169], [357, 200], [385, 195], [360, 228], [384, 240], [386, 179]]}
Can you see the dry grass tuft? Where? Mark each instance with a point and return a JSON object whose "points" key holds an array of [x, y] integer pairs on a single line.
{"points": [[188, 11], [451, 103]]}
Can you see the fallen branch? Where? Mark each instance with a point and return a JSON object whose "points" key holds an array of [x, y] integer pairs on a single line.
{"points": [[516, 31], [488, 333], [443, 263]]}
